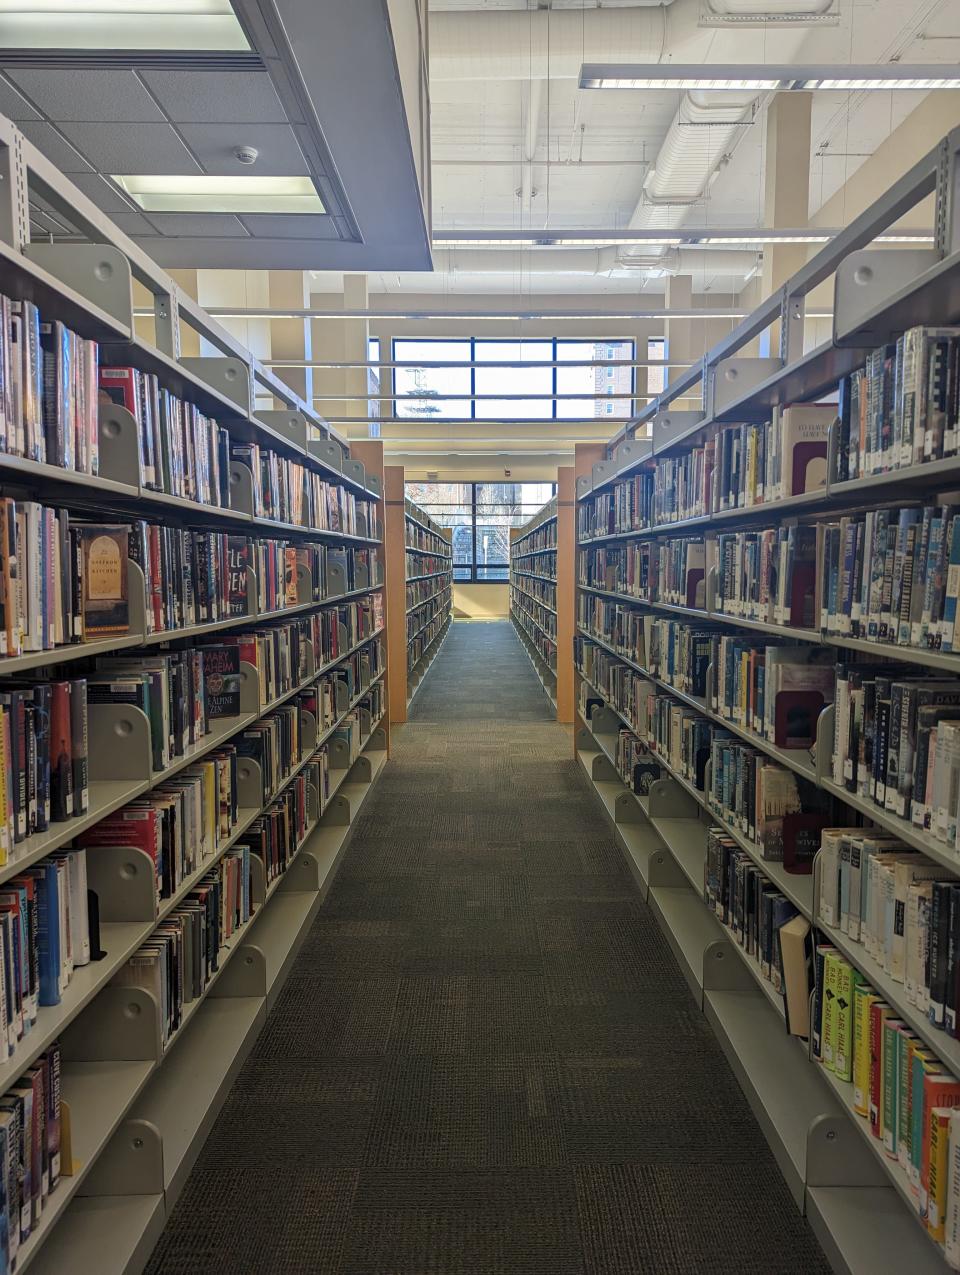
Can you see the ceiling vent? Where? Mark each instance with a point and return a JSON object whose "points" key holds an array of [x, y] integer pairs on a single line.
{"points": [[740, 13], [433, 475]]}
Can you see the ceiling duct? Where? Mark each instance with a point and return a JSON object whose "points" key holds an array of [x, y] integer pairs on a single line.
{"points": [[591, 261], [536, 44]]}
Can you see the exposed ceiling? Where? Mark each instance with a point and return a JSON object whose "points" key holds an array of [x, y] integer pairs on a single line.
{"points": [[300, 97]]}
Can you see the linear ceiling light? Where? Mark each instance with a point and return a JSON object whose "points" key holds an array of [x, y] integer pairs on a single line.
{"points": [[121, 24], [223, 194], [693, 237], [760, 78], [655, 312]]}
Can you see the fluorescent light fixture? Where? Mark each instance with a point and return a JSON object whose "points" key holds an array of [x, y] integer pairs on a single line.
{"points": [[760, 78], [697, 238], [237, 194], [121, 24]]}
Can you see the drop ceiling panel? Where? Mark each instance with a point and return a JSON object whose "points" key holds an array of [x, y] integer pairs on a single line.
{"points": [[13, 104], [103, 194], [57, 149], [133, 148], [293, 226], [133, 223], [100, 95], [216, 97], [199, 225], [215, 146]]}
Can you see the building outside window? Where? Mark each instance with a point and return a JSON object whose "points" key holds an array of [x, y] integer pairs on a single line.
{"points": [[486, 379], [480, 516]]}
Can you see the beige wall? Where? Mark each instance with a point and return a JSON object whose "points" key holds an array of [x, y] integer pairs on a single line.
{"points": [[481, 601]]}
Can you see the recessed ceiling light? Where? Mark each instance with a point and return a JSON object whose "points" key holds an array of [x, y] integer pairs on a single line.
{"points": [[121, 24], [760, 78], [237, 194], [692, 238]]}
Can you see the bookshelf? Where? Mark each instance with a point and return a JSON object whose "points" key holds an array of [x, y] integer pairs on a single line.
{"points": [[533, 593], [300, 582], [660, 575], [420, 591]]}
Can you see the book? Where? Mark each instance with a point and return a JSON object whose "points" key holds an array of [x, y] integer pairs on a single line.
{"points": [[106, 608]]}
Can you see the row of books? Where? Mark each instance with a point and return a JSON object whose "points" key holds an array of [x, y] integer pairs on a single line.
{"points": [[421, 591], [184, 952], [31, 1132], [425, 637], [903, 909], [902, 407], [545, 645], [421, 542], [777, 811], [544, 619], [756, 913], [182, 452], [669, 571], [538, 591], [417, 619], [897, 744], [891, 575], [286, 491], [736, 467], [45, 935], [48, 390], [424, 564], [909, 1099], [540, 564], [542, 538], [43, 758], [65, 580]]}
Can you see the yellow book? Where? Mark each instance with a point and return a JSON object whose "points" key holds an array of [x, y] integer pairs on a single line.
{"points": [[828, 1035], [751, 489], [843, 1021], [937, 1192], [210, 807], [863, 997]]}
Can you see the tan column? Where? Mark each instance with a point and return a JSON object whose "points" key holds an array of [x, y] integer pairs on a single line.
{"points": [[679, 332], [786, 193], [291, 338], [344, 340]]}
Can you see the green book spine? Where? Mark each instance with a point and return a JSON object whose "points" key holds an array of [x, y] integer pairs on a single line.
{"points": [[891, 1067]]}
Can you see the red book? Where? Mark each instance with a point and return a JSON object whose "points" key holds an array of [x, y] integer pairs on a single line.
{"points": [[119, 385], [878, 1013], [134, 825]]}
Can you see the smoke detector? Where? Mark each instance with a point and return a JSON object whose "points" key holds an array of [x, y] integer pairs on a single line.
{"points": [[246, 154]]}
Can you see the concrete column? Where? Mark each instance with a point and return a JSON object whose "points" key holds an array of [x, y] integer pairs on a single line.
{"points": [[291, 338], [356, 333], [786, 193]]}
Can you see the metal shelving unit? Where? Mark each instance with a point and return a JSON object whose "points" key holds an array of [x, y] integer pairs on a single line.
{"points": [[533, 606], [857, 1200], [139, 1113]]}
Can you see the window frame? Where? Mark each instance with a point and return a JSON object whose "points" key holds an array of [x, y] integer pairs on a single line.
{"points": [[553, 342], [472, 566]]}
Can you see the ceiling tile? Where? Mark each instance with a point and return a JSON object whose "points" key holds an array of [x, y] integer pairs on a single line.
{"points": [[215, 146], [46, 138], [103, 194], [92, 95], [216, 97], [133, 223], [199, 225], [132, 148], [290, 226], [13, 104]]}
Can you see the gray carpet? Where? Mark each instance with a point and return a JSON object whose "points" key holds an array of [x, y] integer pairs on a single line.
{"points": [[485, 1061]]}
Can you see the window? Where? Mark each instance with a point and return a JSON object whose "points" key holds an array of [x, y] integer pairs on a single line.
{"points": [[656, 376], [481, 515], [486, 380]]}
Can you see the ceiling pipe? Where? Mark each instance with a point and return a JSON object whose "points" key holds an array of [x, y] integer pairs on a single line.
{"points": [[533, 98], [592, 261]]}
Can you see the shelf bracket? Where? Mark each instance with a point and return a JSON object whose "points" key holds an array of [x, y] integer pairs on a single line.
{"points": [[355, 470], [227, 376], [119, 445], [241, 488], [669, 426], [337, 811], [99, 272], [838, 1156], [119, 745], [124, 880], [122, 1024], [735, 377], [864, 281], [250, 794], [291, 426], [246, 975], [303, 875], [669, 801], [328, 452], [723, 970], [130, 1164], [664, 872]]}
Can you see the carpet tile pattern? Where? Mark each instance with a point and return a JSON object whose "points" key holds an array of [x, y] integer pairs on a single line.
{"points": [[485, 1060]]}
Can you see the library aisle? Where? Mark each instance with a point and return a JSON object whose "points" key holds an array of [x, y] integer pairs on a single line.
{"points": [[473, 1067]]}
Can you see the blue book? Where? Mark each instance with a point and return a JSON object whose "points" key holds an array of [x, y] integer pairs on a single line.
{"points": [[48, 938]]}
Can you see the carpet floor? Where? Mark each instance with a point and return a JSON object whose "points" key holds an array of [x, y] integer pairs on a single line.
{"points": [[485, 1060]]}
